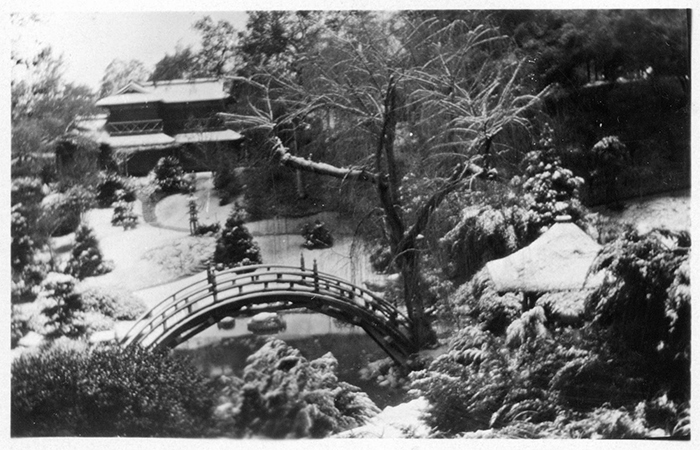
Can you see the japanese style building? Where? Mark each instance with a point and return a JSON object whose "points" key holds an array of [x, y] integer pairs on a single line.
{"points": [[149, 120]]}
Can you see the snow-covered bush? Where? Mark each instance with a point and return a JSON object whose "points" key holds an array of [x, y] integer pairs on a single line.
{"points": [[551, 189], [124, 215], [169, 175], [62, 306], [282, 394], [185, 256], [108, 189], [71, 390], [86, 257], [236, 247], [478, 300], [316, 235], [609, 158], [113, 302]]}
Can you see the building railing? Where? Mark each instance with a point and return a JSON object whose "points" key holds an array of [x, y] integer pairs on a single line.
{"points": [[135, 127], [194, 125]]}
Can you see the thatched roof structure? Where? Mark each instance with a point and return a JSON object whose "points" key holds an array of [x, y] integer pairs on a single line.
{"points": [[557, 261]]}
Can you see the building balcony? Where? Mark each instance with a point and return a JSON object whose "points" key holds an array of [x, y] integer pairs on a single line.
{"points": [[134, 127], [194, 125]]}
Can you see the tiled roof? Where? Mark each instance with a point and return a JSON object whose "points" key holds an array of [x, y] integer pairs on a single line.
{"points": [[207, 136], [140, 140], [173, 91], [558, 260]]}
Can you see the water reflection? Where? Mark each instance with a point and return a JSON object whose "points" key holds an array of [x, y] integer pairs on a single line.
{"points": [[223, 352]]}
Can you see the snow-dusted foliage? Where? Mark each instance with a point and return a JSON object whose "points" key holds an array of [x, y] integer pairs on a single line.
{"points": [[282, 394], [236, 247], [86, 257]]}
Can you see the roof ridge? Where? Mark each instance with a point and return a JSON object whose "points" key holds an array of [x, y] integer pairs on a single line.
{"points": [[183, 81]]}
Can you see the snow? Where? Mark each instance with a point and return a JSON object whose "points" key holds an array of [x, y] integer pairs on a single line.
{"points": [[394, 422], [671, 211]]}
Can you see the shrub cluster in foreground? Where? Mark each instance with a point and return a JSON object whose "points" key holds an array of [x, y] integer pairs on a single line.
{"points": [[69, 389]]}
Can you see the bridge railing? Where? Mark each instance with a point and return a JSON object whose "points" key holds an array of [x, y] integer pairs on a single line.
{"points": [[218, 286]]}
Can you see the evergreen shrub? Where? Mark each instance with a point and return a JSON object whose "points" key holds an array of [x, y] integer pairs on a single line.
{"points": [[113, 302], [283, 395], [123, 215], [108, 189], [86, 257], [235, 246], [169, 176], [211, 228], [316, 235], [227, 184], [70, 390], [62, 306]]}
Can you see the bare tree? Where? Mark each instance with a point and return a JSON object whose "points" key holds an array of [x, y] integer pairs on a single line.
{"points": [[374, 74]]}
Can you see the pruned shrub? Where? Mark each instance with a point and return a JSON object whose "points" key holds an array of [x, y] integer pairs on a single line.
{"points": [[169, 175], [609, 158], [108, 190], [184, 256], [316, 235], [123, 215], [551, 189], [236, 247], [205, 229], [86, 257], [113, 302], [62, 306], [108, 391]]}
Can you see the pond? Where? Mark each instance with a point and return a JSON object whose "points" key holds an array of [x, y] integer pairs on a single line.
{"points": [[223, 352]]}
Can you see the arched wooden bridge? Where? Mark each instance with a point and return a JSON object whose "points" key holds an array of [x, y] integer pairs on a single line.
{"points": [[249, 290]]}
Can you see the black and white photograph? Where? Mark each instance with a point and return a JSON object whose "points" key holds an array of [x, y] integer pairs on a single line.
{"points": [[282, 222]]}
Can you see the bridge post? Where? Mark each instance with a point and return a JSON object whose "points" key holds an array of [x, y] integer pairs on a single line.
{"points": [[315, 276], [211, 279]]}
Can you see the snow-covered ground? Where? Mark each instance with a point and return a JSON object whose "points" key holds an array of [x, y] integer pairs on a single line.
{"points": [[394, 422], [127, 248], [671, 211]]}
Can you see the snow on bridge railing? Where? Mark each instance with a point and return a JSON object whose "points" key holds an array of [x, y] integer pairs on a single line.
{"points": [[247, 280]]}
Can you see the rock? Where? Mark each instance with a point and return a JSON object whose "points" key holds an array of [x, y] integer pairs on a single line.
{"points": [[227, 323]]}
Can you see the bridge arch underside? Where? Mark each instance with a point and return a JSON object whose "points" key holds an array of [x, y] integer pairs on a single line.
{"points": [[392, 337]]}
